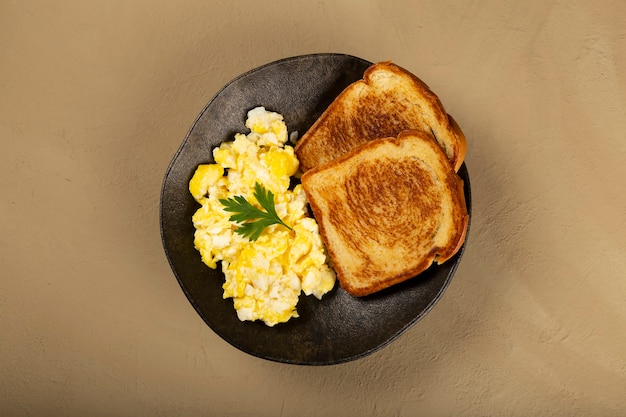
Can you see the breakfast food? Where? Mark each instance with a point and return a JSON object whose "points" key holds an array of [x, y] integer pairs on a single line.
{"points": [[385, 102], [379, 171], [387, 210], [264, 273]]}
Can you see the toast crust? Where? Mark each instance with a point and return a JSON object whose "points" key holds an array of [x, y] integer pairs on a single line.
{"points": [[387, 100], [387, 210]]}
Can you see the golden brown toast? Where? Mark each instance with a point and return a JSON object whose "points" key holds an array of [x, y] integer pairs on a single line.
{"points": [[387, 210], [385, 102]]}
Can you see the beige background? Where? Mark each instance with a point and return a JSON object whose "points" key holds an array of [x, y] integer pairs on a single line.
{"points": [[95, 98]]}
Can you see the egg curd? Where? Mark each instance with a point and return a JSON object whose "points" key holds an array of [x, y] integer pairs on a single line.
{"points": [[264, 277]]}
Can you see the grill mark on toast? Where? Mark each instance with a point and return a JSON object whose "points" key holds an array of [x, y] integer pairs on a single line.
{"points": [[388, 210], [393, 205], [385, 102]]}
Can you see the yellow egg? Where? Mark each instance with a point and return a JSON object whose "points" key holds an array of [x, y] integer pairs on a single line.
{"points": [[204, 177], [224, 156], [264, 277], [282, 162]]}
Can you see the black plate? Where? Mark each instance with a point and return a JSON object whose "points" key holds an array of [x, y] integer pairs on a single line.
{"points": [[339, 328]]}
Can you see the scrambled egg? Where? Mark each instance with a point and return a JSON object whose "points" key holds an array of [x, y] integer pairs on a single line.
{"points": [[264, 277]]}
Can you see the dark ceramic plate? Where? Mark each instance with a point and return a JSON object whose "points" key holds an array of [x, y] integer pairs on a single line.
{"points": [[339, 328]]}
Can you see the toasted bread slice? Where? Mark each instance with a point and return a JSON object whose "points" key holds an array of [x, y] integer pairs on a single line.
{"points": [[387, 210], [385, 102]]}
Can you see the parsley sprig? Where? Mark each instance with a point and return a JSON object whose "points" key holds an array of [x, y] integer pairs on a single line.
{"points": [[252, 219]]}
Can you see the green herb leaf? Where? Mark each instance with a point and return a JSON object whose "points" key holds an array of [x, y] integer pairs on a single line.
{"points": [[253, 220]]}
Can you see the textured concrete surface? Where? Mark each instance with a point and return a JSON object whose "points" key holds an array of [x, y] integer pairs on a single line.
{"points": [[95, 98]]}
